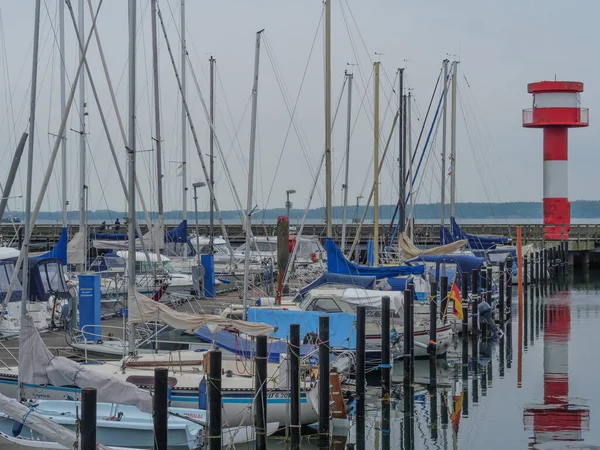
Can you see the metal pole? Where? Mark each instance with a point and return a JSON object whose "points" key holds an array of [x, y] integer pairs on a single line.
{"points": [[260, 386], [12, 173], [131, 149], [63, 137], [453, 141], [443, 177], [407, 333], [501, 285], [294, 357], [386, 381], [212, 61], [214, 398], [324, 376], [401, 149], [349, 77], [251, 173], [433, 302], [197, 227], [82, 152], [158, 139], [183, 115], [328, 165], [444, 298], [475, 302], [160, 414], [376, 168], [409, 160], [25, 249], [508, 279], [89, 398], [360, 361], [465, 303]]}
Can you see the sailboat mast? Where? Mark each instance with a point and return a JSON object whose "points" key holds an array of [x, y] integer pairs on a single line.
{"points": [[251, 174], [401, 151], [34, 73], [453, 141], [183, 118], [63, 143], [131, 148], [82, 165], [410, 151], [157, 115], [328, 177], [443, 178], [376, 167], [349, 77], [212, 151]]}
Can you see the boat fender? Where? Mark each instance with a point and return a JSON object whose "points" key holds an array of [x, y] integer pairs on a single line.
{"points": [[313, 257], [202, 403]]}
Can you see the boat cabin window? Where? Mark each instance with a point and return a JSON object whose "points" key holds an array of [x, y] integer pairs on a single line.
{"points": [[55, 277], [324, 305]]}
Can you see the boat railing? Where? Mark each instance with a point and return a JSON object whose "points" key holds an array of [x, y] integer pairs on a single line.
{"points": [[83, 335], [5, 348]]}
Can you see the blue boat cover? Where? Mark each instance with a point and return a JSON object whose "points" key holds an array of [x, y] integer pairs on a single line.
{"points": [[60, 249], [46, 278], [243, 347], [398, 284], [464, 263], [178, 234], [337, 263], [445, 236], [342, 329], [339, 279], [475, 241]]}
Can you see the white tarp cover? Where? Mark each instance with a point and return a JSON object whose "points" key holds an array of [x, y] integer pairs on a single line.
{"points": [[410, 250], [43, 425], [75, 249], [367, 297], [144, 309], [38, 366]]}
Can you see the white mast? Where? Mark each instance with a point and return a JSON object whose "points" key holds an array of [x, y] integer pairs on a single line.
{"points": [[131, 148], [158, 138], [183, 118], [409, 161], [443, 180], [63, 144], [251, 173], [349, 76], [25, 250], [328, 182], [82, 186], [453, 141], [376, 167], [212, 150]]}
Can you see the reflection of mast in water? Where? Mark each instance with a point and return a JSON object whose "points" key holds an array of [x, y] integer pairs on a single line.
{"points": [[557, 419]]}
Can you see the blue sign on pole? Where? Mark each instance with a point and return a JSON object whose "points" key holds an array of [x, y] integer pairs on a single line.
{"points": [[208, 262], [89, 306]]}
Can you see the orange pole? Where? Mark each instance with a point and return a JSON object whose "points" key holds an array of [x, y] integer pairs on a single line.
{"points": [[520, 295]]}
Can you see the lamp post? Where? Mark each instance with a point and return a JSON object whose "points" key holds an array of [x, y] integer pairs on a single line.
{"points": [[355, 219], [197, 185], [288, 204]]}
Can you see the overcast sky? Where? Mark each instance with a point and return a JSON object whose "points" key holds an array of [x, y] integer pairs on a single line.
{"points": [[502, 46]]}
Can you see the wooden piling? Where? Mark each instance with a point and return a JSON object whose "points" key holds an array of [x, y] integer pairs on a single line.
{"points": [[324, 376], [260, 388], [475, 302], [508, 277], [283, 255], [465, 303], [501, 285], [214, 400], [444, 298], [360, 360], [531, 277], [294, 365], [161, 403], [386, 367], [89, 398], [433, 301]]}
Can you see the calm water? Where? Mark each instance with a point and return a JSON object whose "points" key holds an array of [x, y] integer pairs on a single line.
{"points": [[537, 387]]}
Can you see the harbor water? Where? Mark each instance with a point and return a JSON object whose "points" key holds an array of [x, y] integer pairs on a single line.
{"points": [[535, 387]]}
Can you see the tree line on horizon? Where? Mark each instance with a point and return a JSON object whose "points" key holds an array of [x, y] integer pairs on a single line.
{"points": [[507, 210]]}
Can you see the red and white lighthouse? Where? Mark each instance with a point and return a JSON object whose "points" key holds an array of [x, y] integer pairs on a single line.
{"points": [[556, 108]]}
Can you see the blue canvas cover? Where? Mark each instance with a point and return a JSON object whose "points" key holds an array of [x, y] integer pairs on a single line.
{"points": [[342, 328], [243, 347], [46, 278], [337, 263], [475, 241], [178, 234], [60, 249], [464, 263], [445, 236], [7, 267], [398, 284], [339, 279]]}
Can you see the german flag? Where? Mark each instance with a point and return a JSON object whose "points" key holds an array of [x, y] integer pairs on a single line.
{"points": [[456, 301]]}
